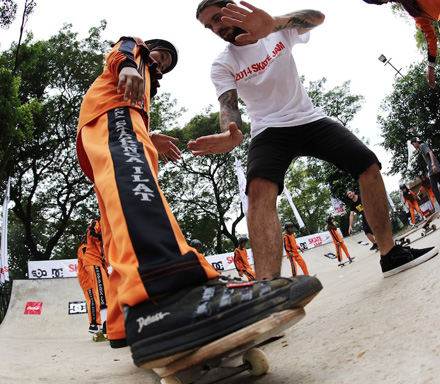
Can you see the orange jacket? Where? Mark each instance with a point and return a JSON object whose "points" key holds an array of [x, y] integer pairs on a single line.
{"points": [[94, 254], [102, 96], [84, 279], [241, 260], [335, 234], [290, 244]]}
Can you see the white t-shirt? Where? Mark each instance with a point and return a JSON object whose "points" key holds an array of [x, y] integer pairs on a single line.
{"points": [[267, 80]]}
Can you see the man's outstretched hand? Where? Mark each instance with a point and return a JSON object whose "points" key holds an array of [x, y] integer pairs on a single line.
{"points": [[218, 143]]}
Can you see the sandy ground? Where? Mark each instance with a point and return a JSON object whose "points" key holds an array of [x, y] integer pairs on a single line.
{"points": [[361, 328]]}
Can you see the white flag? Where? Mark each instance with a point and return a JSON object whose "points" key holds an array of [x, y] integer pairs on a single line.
{"points": [[242, 186], [338, 206], [4, 273], [391, 202], [295, 211]]}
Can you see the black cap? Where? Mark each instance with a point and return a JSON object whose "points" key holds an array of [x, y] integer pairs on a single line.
{"points": [[377, 2], [415, 140], [164, 45]]}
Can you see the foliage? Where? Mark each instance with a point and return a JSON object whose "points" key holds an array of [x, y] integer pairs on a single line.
{"points": [[51, 197], [8, 12], [410, 110], [203, 191]]}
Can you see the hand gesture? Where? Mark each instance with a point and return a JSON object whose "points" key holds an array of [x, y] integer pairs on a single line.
{"points": [[218, 143], [256, 22], [134, 85], [165, 147]]}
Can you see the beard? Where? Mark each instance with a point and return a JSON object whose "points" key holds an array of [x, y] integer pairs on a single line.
{"points": [[229, 34]]}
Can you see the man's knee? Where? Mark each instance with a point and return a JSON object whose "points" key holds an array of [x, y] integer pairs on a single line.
{"points": [[260, 189]]}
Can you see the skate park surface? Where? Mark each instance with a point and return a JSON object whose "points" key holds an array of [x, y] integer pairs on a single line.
{"points": [[361, 328]]}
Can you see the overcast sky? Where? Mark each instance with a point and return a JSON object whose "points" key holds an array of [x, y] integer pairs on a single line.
{"points": [[345, 47]]}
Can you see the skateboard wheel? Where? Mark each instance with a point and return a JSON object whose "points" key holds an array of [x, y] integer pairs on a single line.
{"points": [[423, 234], [257, 360], [434, 227], [170, 380], [407, 241]]}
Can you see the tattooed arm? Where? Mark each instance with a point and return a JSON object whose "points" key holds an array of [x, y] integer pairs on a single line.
{"points": [[230, 124], [258, 23]]}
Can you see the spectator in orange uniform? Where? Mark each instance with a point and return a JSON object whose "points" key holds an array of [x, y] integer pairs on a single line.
{"points": [[426, 185], [292, 249], [95, 266], [241, 259], [410, 198], [337, 239], [88, 288]]}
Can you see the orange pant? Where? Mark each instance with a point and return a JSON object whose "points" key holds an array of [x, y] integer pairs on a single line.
{"points": [[412, 206], [142, 240], [249, 273], [294, 259], [341, 245], [97, 296]]}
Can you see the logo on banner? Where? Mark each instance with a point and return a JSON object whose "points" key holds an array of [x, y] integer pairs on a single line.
{"points": [[33, 308], [39, 273], [218, 266], [77, 307]]}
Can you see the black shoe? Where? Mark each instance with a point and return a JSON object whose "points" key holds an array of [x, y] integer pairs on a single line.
{"points": [[374, 247], [118, 343], [94, 328], [198, 315], [104, 328], [399, 259]]}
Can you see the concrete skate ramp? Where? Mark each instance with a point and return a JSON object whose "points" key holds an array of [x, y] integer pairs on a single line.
{"points": [[39, 309]]}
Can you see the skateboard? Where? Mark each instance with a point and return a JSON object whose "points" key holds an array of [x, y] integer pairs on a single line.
{"points": [[99, 336], [210, 358], [346, 262], [425, 225]]}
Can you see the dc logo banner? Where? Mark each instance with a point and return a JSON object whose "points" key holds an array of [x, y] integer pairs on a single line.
{"points": [[77, 307]]}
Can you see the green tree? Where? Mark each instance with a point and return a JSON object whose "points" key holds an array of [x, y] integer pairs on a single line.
{"points": [[203, 191], [410, 110], [51, 197], [8, 12]]}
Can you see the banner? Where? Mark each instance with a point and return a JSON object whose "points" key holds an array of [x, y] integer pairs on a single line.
{"points": [[51, 269], [225, 261], [242, 185], [295, 211], [338, 206], [4, 272]]}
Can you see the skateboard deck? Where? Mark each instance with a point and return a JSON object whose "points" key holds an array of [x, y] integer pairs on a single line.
{"points": [[425, 225], [99, 336], [347, 262], [211, 356]]}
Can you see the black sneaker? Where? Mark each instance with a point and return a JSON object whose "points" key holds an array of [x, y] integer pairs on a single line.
{"points": [[374, 247], [104, 328], [399, 259], [198, 315], [118, 343], [94, 328]]}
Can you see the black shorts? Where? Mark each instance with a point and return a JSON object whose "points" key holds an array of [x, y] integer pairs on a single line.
{"points": [[365, 226], [272, 151]]}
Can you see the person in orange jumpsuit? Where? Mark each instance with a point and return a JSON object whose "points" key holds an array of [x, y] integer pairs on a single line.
{"points": [[95, 266], [410, 198], [292, 248], [241, 259], [424, 12], [426, 185], [165, 299], [337, 239], [88, 288]]}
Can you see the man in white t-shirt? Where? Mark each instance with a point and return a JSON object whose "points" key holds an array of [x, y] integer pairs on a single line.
{"points": [[258, 66]]}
